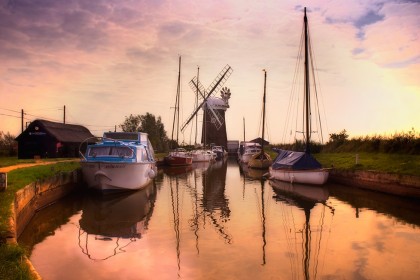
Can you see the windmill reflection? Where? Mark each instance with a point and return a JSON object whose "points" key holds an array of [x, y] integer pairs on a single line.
{"points": [[111, 222], [206, 188], [214, 202], [305, 198]]}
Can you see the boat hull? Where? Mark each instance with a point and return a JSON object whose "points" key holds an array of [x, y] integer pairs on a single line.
{"points": [[246, 157], [259, 161], [178, 160], [113, 176], [311, 176], [202, 156]]}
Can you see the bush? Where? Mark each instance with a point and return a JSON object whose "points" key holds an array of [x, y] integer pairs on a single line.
{"points": [[403, 143]]}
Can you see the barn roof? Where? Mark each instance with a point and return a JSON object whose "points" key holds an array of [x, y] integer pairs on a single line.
{"points": [[69, 133], [259, 140]]}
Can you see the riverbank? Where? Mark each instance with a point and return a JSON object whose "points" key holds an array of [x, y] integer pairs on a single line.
{"points": [[24, 183], [395, 184]]}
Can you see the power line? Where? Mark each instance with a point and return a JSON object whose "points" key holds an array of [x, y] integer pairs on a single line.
{"points": [[10, 116]]}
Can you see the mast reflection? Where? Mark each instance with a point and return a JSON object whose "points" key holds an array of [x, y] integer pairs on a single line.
{"points": [[305, 198]]}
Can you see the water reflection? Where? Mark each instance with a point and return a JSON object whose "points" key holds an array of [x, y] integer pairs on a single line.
{"points": [[109, 223], [305, 198], [221, 221]]}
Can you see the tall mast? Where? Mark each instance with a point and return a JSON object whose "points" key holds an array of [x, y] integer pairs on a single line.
{"points": [[176, 105], [196, 102], [178, 92], [308, 134], [263, 120], [244, 128]]}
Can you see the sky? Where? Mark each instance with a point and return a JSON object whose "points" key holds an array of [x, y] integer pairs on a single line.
{"points": [[107, 59]]}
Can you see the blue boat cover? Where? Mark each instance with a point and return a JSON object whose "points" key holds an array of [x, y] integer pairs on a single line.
{"points": [[294, 160]]}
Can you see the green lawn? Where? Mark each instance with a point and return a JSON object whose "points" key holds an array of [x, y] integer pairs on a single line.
{"points": [[9, 161], [390, 163]]}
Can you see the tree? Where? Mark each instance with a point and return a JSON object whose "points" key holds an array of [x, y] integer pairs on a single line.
{"points": [[131, 123], [339, 138], [8, 144], [149, 124]]}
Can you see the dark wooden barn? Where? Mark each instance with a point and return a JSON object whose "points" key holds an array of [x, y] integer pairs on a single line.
{"points": [[51, 139], [259, 140]]}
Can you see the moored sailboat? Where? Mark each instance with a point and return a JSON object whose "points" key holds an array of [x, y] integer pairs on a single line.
{"points": [[261, 160], [300, 167], [180, 156]]}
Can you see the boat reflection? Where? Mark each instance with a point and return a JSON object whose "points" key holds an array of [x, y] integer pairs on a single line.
{"points": [[174, 171], [251, 173], [305, 198], [111, 222]]}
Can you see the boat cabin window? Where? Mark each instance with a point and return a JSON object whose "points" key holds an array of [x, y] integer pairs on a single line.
{"points": [[110, 151], [141, 154]]}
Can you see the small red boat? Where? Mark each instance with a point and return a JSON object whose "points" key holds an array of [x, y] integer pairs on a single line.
{"points": [[179, 157]]}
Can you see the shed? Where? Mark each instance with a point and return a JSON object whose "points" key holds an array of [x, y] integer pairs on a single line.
{"points": [[51, 139], [259, 140]]}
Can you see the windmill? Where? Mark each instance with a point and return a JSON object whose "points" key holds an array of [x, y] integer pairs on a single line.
{"points": [[214, 108]]}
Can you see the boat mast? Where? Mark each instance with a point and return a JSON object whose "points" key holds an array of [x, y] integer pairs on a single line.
{"points": [[196, 102], [244, 127], [178, 92], [263, 120], [308, 134], [176, 105]]}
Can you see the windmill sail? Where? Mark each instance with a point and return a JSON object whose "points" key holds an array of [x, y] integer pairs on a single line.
{"points": [[215, 86]]}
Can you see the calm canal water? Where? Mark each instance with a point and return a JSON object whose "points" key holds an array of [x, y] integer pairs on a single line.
{"points": [[221, 222]]}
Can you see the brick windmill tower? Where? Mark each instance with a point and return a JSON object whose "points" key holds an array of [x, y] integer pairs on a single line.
{"points": [[214, 108]]}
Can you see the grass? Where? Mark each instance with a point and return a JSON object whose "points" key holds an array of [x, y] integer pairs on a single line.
{"points": [[9, 161], [381, 162], [11, 265]]}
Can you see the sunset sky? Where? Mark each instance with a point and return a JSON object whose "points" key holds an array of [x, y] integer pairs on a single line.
{"points": [[107, 59]]}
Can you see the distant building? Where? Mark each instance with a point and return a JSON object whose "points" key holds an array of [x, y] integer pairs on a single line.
{"points": [[232, 147], [51, 139], [260, 141]]}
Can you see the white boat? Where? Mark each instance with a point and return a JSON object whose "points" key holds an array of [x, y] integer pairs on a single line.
{"points": [[202, 156], [121, 161], [247, 150], [301, 167], [220, 152], [315, 175]]}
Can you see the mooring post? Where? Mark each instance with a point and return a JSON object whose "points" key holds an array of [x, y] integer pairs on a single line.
{"points": [[3, 181]]}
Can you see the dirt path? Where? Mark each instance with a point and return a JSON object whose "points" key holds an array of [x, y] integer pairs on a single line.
{"points": [[25, 165]]}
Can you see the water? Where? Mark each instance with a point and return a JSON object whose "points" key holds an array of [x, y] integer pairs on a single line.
{"points": [[220, 222]]}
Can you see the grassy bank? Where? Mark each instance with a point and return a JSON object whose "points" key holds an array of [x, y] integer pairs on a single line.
{"points": [[11, 255], [382, 162], [9, 161], [389, 163]]}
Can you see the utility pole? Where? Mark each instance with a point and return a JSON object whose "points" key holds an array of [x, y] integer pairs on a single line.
{"points": [[22, 119], [64, 115]]}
